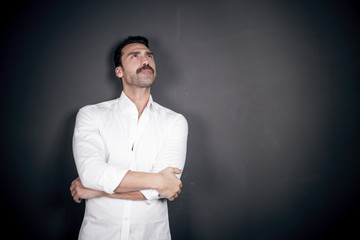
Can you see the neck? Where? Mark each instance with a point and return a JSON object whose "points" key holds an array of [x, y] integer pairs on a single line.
{"points": [[139, 96]]}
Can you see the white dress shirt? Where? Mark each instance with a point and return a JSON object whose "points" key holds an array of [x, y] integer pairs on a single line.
{"points": [[110, 140]]}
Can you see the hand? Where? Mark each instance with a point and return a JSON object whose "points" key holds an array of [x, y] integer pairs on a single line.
{"points": [[170, 185], [79, 192]]}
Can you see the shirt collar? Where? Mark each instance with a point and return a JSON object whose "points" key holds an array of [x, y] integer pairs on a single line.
{"points": [[126, 104]]}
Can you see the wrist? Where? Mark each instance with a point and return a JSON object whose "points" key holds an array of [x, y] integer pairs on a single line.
{"points": [[99, 194], [157, 181], [108, 195]]}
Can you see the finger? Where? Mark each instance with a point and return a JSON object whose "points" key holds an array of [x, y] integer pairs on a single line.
{"points": [[74, 180], [171, 199], [176, 170], [77, 198], [176, 195], [73, 192]]}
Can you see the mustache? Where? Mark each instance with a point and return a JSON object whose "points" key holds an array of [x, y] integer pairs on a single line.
{"points": [[145, 67]]}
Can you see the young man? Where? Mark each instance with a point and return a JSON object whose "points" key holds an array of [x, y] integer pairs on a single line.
{"points": [[129, 154]]}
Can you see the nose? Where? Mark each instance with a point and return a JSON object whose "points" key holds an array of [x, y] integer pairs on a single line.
{"points": [[144, 60]]}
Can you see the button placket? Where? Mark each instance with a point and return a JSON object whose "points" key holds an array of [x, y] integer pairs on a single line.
{"points": [[125, 231], [132, 140], [132, 133]]}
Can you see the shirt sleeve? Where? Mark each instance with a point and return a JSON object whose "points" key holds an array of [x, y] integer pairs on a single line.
{"points": [[90, 154], [173, 153]]}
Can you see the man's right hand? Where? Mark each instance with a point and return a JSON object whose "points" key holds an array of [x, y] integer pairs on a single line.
{"points": [[79, 192], [169, 185]]}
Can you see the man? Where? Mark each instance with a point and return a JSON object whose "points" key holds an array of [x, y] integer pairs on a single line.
{"points": [[129, 154]]}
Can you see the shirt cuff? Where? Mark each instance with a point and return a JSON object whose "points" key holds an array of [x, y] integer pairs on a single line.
{"points": [[150, 194], [111, 178]]}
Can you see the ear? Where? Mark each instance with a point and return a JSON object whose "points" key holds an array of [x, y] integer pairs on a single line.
{"points": [[119, 72]]}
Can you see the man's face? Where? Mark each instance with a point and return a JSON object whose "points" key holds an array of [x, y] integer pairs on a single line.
{"points": [[138, 66]]}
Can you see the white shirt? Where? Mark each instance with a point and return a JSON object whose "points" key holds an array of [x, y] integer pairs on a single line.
{"points": [[109, 140]]}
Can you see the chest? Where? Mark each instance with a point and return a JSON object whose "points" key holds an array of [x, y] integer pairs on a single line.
{"points": [[133, 143]]}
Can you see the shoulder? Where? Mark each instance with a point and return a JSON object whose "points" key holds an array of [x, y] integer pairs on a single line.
{"points": [[95, 111], [171, 118], [100, 107]]}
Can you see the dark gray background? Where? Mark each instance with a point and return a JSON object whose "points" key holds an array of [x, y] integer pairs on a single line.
{"points": [[269, 89]]}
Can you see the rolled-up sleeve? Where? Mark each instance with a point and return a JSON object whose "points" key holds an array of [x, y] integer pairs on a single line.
{"points": [[90, 154], [173, 153]]}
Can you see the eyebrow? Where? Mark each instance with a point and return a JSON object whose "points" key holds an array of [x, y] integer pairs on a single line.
{"points": [[138, 52]]}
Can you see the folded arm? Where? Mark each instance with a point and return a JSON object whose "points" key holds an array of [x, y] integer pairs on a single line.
{"points": [[172, 153], [165, 182], [79, 192], [97, 178]]}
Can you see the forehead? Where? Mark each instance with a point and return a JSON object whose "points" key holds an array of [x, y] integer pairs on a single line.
{"points": [[132, 47]]}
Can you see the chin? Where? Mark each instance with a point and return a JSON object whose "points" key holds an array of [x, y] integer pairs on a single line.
{"points": [[146, 82]]}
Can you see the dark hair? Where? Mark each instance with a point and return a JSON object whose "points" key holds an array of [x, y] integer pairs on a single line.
{"points": [[126, 41]]}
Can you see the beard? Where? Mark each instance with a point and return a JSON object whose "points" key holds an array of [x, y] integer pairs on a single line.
{"points": [[141, 79]]}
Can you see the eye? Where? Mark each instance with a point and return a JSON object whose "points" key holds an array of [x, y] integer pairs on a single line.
{"points": [[150, 55]]}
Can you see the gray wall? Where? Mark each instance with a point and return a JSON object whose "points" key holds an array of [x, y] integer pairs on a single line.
{"points": [[269, 89]]}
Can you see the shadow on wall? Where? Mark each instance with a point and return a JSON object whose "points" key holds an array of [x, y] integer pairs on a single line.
{"points": [[70, 213], [111, 77]]}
